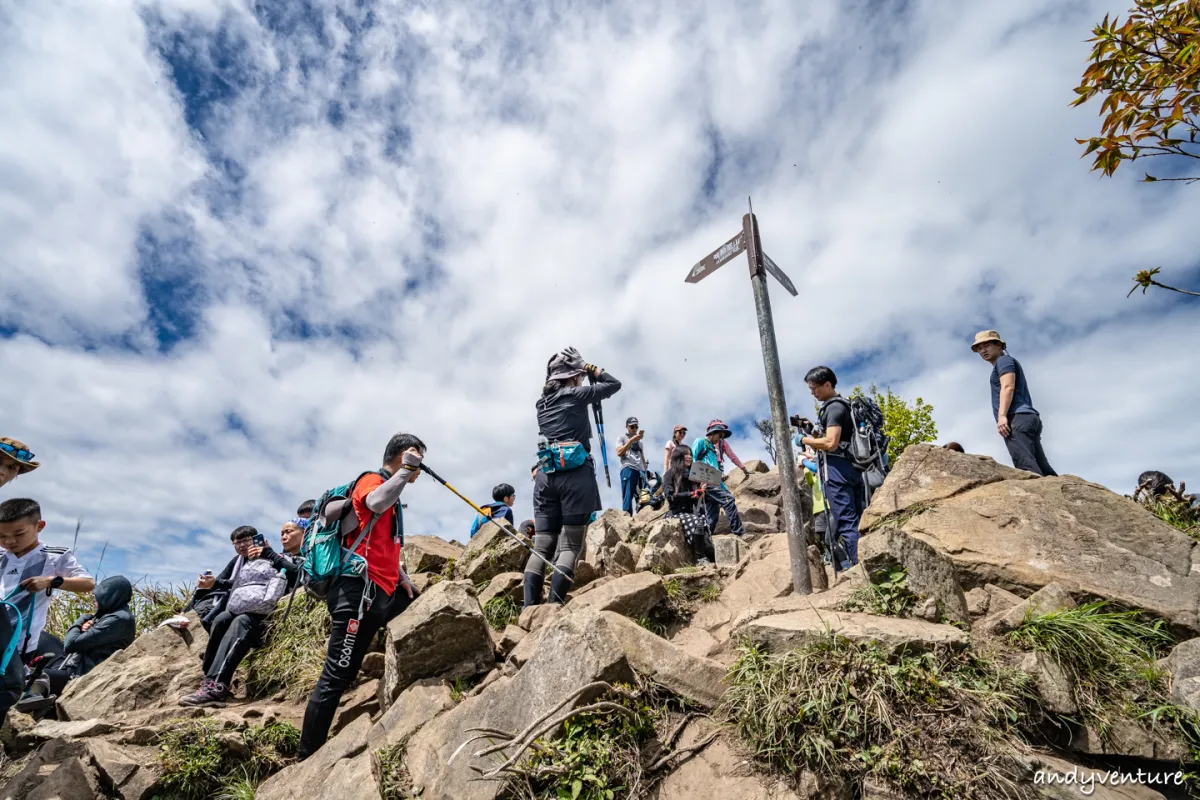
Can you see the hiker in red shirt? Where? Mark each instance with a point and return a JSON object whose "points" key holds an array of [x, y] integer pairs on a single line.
{"points": [[358, 607]]}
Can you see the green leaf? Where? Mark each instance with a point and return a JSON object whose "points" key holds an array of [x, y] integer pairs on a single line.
{"points": [[576, 788]]}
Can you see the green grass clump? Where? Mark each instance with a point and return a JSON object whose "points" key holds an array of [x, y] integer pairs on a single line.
{"points": [[1180, 511], [1109, 656], [936, 724], [599, 756], [887, 595], [500, 612], [294, 653], [395, 783], [204, 759]]}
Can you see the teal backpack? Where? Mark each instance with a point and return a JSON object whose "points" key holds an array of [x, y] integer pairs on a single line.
{"points": [[18, 622], [324, 556]]}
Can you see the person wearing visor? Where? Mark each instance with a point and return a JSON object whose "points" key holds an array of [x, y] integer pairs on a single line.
{"points": [[15, 459]]}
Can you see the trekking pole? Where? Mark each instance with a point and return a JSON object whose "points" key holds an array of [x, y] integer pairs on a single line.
{"points": [[598, 413], [501, 524]]}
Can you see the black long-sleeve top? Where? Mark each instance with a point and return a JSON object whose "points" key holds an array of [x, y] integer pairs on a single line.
{"points": [[563, 415]]}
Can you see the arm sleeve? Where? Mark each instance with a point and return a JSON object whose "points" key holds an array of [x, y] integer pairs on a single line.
{"points": [[75, 630], [289, 567], [732, 455], [1005, 365], [68, 567], [387, 494], [604, 387], [107, 630]]}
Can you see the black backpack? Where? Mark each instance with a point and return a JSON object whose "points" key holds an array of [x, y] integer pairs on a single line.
{"points": [[867, 446]]}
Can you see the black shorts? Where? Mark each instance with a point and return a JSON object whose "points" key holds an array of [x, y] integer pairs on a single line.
{"points": [[565, 498]]}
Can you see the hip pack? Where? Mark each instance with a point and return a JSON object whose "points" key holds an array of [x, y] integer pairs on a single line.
{"points": [[561, 456]]}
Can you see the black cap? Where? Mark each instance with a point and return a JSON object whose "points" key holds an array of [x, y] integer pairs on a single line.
{"points": [[631, 421]]}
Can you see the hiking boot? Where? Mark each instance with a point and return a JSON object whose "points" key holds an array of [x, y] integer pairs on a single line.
{"points": [[35, 704], [210, 693]]}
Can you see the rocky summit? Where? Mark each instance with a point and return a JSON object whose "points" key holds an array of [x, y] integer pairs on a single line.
{"points": [[1004, 636]]}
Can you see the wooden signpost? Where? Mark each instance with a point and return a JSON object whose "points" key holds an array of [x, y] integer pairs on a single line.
{"points": [[748, 241]]}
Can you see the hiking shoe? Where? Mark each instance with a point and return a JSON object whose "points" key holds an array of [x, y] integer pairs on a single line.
{"points": [[210, 693], [703, 562], [35, 703]]}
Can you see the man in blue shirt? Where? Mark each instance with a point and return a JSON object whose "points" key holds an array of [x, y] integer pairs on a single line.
{"points": [[1017, 421]]}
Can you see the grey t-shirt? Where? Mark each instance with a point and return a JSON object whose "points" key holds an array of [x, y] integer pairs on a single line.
{"points": [[634, 455], [1022, 403]]}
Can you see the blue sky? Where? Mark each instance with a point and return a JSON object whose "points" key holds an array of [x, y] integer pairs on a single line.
{"points": [[247, 242]]}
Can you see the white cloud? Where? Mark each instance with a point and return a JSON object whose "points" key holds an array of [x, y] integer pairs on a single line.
{"points": [[433, 199]]}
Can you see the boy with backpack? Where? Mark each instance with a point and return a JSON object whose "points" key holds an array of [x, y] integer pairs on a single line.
{"points": [[504, 497], [26, 563], [373, 588]]}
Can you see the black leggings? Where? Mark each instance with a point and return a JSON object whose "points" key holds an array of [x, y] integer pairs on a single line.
{"points": [[355, 624], [231, 637], [561, 548]]}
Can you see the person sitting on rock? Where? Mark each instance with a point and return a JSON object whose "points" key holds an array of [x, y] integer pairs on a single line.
{"points": [[710, 449], [360, 605], [15, 459], [258, 577], [90, 640], [504, 497], [684, 503]]}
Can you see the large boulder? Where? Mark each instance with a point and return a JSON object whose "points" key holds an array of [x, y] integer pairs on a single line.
{"points": [[760, 581], [429, 553], [490, 552], [925, 474], [610, 544], [1024, 534], [666, 549], [64, 769], [442, 633], [576, 650], [1184, 666], [154, 672], [630, 595], [324, 772], [930, 574], [721, 771], [761, 488], [506, 584], [416, 705], [1047, 600], [787, 631]]}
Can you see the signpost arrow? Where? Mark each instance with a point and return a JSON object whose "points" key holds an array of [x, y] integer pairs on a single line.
{"points": [[779, 275], [748, 240], [717, 258]]}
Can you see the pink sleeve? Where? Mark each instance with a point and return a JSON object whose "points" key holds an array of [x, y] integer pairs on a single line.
{"points": [[732, 455]]}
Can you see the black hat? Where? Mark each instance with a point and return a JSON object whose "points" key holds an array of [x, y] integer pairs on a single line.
{"points": [[631, 421]]}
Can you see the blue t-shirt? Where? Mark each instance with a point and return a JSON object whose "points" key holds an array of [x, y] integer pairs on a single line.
{"points": [[1022, 403]]}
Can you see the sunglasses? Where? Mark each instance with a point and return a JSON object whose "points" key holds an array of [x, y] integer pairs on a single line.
{"points": [[17, 453]]}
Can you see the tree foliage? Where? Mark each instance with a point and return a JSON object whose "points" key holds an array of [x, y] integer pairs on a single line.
{"points": [[1147, 69], [766, 429], [904, 423]]}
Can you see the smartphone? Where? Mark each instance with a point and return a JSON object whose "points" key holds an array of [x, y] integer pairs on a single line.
{"points": [[258, 540]]}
